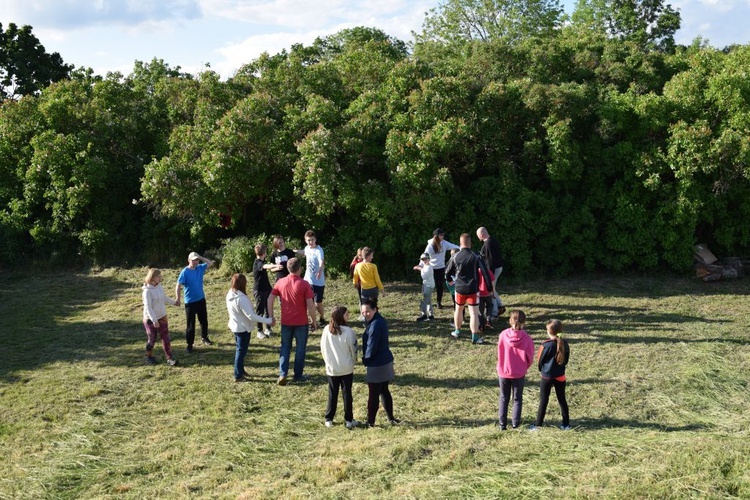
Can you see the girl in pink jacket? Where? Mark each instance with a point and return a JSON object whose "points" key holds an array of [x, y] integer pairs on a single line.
{"points": [[515, 354]]}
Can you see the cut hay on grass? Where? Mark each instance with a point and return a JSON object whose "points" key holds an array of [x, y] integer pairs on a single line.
{"points": [[658, 394]]}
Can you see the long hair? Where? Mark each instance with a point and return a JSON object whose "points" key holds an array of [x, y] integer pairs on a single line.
{"points": [[277, 241], [436, 244], [337, 320], [555, 327], [517, 319], [151, 276], [239, 283]]}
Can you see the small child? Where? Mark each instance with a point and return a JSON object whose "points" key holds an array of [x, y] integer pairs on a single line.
{"points": [[261, 288], [155, 316], [515, 354], [338, 345], [552, 357], [428, 286]]}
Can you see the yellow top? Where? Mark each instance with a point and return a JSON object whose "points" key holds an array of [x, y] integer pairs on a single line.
{"points": [[367, 276]]}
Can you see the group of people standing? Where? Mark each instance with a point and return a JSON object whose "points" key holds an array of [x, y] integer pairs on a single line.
{"points": [[302, 309]]}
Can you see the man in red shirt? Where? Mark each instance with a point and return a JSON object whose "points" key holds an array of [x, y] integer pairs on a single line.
{"points": [[297, 304]]}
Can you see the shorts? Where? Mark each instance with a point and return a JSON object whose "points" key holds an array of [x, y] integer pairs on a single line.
{"points": [[318, 293], [471, 300]]}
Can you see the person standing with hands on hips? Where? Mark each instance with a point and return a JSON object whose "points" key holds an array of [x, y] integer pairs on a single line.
{"points": [[191, 279]]}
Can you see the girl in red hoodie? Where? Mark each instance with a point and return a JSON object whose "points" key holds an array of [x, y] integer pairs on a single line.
{"points": [[515, 354]]}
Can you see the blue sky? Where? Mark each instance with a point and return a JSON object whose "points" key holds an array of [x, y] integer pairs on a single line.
{"points": [[110, 35]]}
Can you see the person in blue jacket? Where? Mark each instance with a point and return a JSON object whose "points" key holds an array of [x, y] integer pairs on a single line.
{"points": [[378, 360]]}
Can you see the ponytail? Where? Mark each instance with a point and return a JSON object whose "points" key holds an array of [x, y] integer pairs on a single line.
{"points": [[555, 326]]}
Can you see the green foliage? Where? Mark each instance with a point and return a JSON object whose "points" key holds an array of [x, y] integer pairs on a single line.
{"points": [[25, 66], [238, 254]]}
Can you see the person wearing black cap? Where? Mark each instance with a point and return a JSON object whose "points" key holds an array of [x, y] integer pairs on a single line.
{"points": [[436, 248]]}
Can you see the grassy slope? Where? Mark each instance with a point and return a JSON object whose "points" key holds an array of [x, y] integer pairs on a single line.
{"points": [[658, 392]]}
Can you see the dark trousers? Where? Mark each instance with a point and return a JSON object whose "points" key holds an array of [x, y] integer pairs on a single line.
{"points": [[485, 310], [193, 309], [344, 382], [545, 387], [439, 275], [261, 306], [379, 393], [506, 384]]}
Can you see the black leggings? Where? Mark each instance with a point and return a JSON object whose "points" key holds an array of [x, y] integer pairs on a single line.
{"points": [[379, 392], [439, 275], [545, 387]]}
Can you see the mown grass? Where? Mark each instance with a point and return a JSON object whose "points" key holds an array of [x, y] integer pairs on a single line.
{"points": [[658, 391]]}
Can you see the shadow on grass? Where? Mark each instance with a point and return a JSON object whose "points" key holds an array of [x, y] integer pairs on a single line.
{"points": [[613, 423], [38, 320]]}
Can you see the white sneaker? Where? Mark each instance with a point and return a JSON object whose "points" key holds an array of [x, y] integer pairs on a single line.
{"points": [[564, 427], [351, 424], [329, 423], [267, 332], [260, 335], [456, 334]]}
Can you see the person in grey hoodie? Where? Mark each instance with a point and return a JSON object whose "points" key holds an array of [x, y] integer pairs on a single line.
{"points": [[242, 319], [155, 316]]}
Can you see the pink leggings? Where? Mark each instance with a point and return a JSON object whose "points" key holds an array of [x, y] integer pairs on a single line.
{"points": [[152, 332]]}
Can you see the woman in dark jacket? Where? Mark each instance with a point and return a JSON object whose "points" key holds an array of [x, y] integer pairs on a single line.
{"points": [[378, 359]]}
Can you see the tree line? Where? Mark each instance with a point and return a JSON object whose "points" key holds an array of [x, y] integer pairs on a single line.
{"points": [[583, 142]]}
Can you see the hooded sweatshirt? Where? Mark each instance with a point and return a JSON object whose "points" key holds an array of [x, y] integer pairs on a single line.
{"points": [[242, 317], [515, 353], [155, 302]]}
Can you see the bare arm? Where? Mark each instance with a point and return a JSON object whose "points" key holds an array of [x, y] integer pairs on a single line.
{"points": [[311, 313]]}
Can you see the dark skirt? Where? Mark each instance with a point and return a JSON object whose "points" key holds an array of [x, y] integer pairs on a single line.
{"points": [[380, 374]]}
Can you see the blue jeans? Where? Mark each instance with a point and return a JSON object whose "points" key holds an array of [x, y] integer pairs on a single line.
{"points": [[242, 339], [299, 333]]}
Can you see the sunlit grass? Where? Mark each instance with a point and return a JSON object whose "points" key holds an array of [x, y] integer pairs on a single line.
{"points": [[658, 392]]}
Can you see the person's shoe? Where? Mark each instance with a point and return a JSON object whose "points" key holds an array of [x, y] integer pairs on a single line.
{"points": [[368, 425], [260, 336], [439, 306], [329, 423], [422, 318], [351, 424], [206, 341], [500, 310], [283, 380], [322, 322], [150, 360], [171, 361], [267, 332], [502, 427], [456, 334], [245, 374], [533, 428], [301, 379], [394, 421], [488, 325], [476, 339], [242, 378], [431, 317], [564, 427], [189, 349]]}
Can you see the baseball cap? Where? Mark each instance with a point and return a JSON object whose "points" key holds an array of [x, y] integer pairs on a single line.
{"points": [[193, 256]]}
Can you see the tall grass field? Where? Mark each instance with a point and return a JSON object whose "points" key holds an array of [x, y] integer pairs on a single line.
{"points": [[658, 388]]}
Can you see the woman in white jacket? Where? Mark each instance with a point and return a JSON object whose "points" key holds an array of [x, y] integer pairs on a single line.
{"points": [[242, 320], [338, 345], [155, 316]]}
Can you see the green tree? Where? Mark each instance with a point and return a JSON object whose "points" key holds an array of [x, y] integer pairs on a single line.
{"points": [[25, 66]]}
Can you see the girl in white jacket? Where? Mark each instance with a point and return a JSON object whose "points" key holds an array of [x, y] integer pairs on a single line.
{"points": [[338, 345], [155, 316], [242, 320]]}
